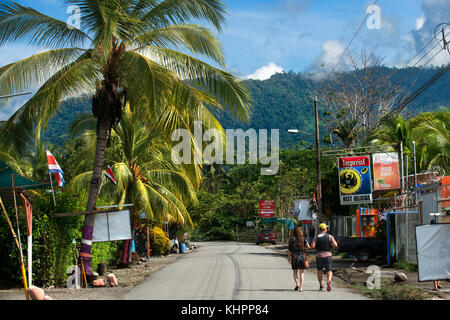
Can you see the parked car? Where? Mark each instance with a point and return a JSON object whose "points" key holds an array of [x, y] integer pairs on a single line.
{"points": [[364, 248], [267, 236]]}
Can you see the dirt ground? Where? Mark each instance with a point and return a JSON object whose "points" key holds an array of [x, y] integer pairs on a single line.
{"points": [[350, 273], [127, 278]]}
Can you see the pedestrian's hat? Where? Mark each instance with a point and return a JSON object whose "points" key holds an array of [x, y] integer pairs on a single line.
{"points": [[323, 226]]}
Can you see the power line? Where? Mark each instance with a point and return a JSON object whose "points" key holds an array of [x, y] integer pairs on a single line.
{"points": [[348, 46], [437, 91], [413, 96]]}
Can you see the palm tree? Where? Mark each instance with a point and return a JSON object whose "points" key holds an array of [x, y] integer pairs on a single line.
{"points": [[143, 169], [125, 51], [434, 133], [393, 131], [347, 132]]}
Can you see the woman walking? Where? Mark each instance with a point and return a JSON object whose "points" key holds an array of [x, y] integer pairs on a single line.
{"points": [[296, 256]]}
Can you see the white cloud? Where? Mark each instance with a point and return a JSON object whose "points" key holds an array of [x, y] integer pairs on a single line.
{"points": [[420, 22], [265, 72], [332, 51]]}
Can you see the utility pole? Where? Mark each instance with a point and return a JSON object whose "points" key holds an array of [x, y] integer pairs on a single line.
{"points": [[415, 169], [319, 179]]}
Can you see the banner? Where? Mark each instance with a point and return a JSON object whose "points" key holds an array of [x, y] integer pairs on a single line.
{"points": [[433, 251], [385, 171], [303, 209], [355, 184], [266, 208]]}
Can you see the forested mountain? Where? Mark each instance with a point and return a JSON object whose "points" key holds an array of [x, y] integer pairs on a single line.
{"points": [[285, 102]]}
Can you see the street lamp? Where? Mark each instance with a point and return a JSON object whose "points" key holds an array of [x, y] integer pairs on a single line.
{"points": [[319, 179], [298, 131]]}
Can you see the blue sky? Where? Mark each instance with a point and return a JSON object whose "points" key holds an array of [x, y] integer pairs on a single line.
{"points": [[262, 37]]}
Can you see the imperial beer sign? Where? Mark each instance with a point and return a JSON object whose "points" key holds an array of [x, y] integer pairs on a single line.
{"points": [[355, 184]]}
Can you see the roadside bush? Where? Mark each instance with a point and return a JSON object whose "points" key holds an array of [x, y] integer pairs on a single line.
{"points": [[52, 239], [159, 243]]}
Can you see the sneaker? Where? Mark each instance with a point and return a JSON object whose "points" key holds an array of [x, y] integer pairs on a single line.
{"points": [[329, 287], [321, 289], [301, 289]]}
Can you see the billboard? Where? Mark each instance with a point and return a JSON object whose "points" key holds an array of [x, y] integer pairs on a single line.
{"points": [[266, 208], [385, 171], [433, 251], [112, 226], [355, 183]]}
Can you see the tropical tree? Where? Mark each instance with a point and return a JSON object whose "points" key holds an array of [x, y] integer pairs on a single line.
{"points": [[433, 133], [125, 51], [145, 174]]}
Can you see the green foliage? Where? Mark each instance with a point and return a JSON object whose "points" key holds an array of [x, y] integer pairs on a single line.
{"points": [[104, 252], [393, 291], [159, 243], [52, 239], [408, 266]]}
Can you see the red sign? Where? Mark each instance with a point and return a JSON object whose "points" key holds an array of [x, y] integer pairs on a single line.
{"points": [[349, 162], [266, 208], [306, 221]]}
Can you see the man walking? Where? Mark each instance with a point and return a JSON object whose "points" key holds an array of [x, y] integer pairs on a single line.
{"points": [[323, 243]]}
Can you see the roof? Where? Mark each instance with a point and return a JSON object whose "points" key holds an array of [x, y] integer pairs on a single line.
{"points": [[21, 183]]}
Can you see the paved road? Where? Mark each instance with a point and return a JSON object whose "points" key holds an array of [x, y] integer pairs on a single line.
{"points": [[232, 271]]}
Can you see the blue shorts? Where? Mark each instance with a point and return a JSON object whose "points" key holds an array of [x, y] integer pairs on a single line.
{"points": [[323, 263]]}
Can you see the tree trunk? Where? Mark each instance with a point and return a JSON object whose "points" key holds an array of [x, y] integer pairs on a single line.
{"points": [[86, 242]]}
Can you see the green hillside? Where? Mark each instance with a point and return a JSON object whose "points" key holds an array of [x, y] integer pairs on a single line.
{"points": [[284, 102]]}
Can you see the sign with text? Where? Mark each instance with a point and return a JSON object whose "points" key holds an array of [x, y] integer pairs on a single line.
{"points": [[266, 208], [385, 171], [355, 183]]}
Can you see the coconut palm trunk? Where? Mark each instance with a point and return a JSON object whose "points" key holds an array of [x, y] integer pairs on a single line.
{"points": [[86, 242]]}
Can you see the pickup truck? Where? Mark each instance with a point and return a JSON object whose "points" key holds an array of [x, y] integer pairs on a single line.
{"points": [[364, 248]]}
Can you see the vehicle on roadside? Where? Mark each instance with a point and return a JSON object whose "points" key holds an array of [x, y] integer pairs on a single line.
{"points": [[266, 236], [363, 248]]}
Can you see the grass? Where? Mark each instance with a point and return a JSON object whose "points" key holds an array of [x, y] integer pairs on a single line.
{"points": [[394, 291], [405, 265]]}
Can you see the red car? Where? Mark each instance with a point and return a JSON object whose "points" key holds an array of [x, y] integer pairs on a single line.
{"points": [[266, 235]]}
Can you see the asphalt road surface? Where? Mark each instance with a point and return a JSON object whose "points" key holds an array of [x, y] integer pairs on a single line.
{"points": [[232, 271]]}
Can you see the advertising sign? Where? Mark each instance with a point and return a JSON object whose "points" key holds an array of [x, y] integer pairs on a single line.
{"points": [[266, 208], [385, 171], [433, 251], [355, 183]]}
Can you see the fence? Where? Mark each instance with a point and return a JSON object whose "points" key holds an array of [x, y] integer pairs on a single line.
{"points": [[343, 226]]}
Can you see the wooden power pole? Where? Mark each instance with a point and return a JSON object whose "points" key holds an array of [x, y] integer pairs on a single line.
{"points": [[319, 179]]}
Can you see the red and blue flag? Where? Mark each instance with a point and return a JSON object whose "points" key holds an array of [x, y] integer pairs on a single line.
{"points": [[53, 167]]}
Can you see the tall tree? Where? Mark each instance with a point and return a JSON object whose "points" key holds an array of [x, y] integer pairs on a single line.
{"points": [[125, 51]]}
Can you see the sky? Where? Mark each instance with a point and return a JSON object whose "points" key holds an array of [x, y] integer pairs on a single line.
{"points": [[263, 37]]}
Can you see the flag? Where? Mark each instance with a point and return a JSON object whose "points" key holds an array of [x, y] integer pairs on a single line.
{"points": [[53, 167], [314, 199], [109, 174]]}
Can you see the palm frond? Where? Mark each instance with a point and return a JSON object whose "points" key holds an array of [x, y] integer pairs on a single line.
{"points": [[34, 28]]}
